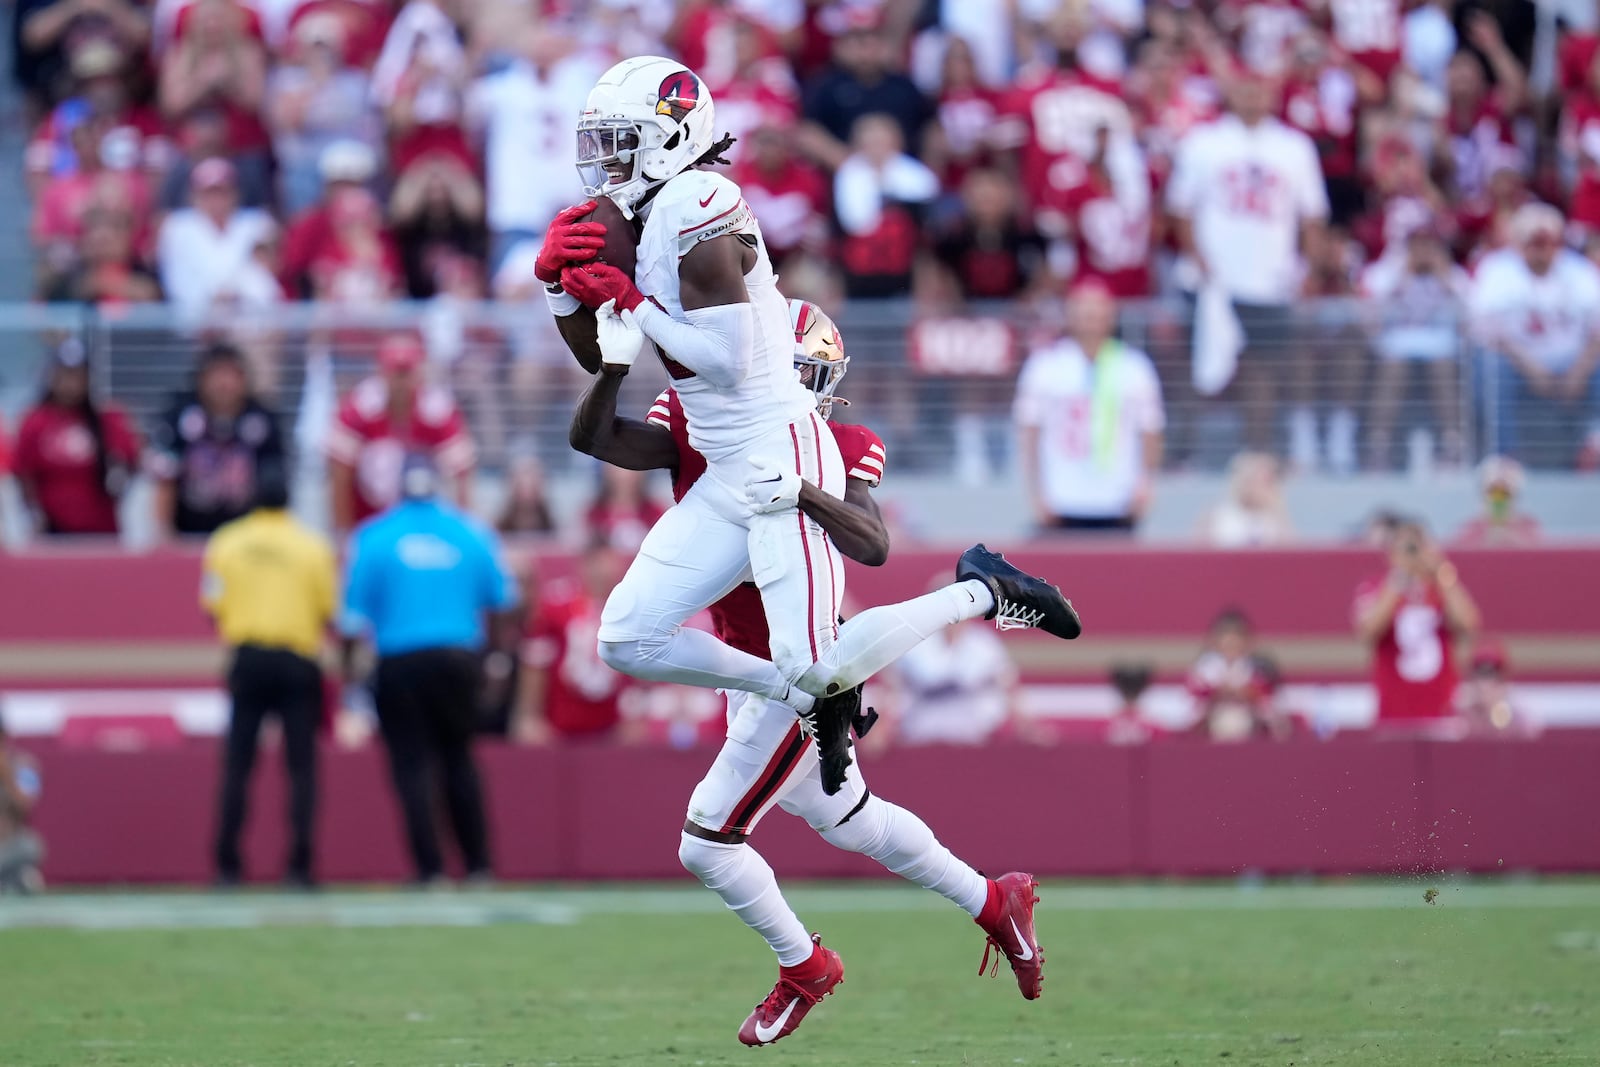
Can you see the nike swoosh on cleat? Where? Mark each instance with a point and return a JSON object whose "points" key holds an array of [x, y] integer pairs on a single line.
{"points": [[708, 199], [768, 1034], [1025, 954]]}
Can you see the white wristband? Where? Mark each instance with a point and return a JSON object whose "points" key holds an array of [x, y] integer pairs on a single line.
{"points": [[562, 303]]}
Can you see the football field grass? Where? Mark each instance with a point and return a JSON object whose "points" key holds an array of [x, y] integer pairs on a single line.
{"points": [[1358, 974]]}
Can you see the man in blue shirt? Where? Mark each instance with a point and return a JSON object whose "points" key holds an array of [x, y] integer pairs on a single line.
{"points": [[424, 578]]}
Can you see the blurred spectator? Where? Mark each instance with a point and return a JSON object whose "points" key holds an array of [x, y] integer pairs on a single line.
{"points": [[203, 135], [1322, 99], [219, 63], [50, 32], [1538, 311], [860, 82], [207, 253], [567, 693], [1477, 122], [623, 510], [423, 578], [382, 419], [100, 94], [314, 101], [106, 273], [1232, 690], [991, 249], [1127, 725], [437, 212], [1090, 415], [1329, 360], [1104, 215], [358, 265], [526, 114], [21, 848], [419, 83], [959, 687], [65, 200], [1417, 299], [1245, 191], [73, 454], [751, 81], [787, 194], [1501, 522], [210, 446], [1411, 619], [527, 510], [347, 167], [961, 137], [1484, 705], [1253, 513], [269, 583], [878, 194], [1578, 144]]}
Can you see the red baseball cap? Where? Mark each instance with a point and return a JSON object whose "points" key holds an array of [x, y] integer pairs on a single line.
{"points": [[401, 352]]}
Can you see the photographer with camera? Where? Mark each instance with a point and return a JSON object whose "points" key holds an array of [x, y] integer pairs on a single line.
{"points": [[1413, 618]]}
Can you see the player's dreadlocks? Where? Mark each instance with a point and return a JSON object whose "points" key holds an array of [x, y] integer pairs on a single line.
{"points": [[714, 156]]}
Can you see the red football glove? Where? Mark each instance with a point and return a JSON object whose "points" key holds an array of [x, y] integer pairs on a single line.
{"points": [[595, 283], [569, 241]]}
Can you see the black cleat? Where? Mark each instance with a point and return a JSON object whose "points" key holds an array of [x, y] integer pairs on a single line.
{"points": [[830, 721], [1021, 600]]}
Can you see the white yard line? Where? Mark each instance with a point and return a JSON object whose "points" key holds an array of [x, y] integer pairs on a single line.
{"points": [[170, 910]]}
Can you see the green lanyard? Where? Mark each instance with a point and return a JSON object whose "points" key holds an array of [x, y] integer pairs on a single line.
{"points": [[1105, 401]]}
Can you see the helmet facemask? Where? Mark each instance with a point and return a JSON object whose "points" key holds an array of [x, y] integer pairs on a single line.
{"points": [[610, 162], [822, 378]]}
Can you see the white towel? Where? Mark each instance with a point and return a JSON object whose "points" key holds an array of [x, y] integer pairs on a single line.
{"points": [[1218, 340]]}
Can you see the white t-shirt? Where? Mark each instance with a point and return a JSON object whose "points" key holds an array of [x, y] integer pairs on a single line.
{"points": [[1551, 318], [957, 686], [199, 262], [530, 129], [696, 206], [1082, 477], [1246, 191]]}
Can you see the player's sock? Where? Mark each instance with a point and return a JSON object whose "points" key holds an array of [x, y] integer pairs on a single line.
{"points": [[745, 882], [877, 637], [903, 843], [694, 657]]}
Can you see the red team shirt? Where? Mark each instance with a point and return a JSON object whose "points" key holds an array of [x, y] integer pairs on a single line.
{"points": [[739, 618], [1413, 663], [55, 451], [583, 696], [1112, 236], [364, 438]]}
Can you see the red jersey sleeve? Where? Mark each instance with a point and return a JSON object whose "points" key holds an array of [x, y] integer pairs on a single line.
{"points": [[660, 413], [350, 430], [122, 439], [541, 646], [862, 452], [1366, 593]]}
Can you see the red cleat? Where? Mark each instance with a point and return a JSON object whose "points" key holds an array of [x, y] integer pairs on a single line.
{"points": [[798, 989], [1008, 920]]}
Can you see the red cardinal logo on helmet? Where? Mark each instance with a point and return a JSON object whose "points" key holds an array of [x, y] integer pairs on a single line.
{"points": [[678, 95]]}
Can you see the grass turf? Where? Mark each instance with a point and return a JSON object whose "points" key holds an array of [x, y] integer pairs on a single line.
{"points": [[1358, 975]]}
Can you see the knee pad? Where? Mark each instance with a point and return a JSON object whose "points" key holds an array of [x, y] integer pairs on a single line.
{"points": [[708, 861], [619, 655]]}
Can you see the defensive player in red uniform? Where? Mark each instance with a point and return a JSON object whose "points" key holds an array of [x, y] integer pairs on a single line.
{"points": [[763, 762]]}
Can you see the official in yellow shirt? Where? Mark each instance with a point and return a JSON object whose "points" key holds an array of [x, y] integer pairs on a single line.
{"points": [[269, 584]]}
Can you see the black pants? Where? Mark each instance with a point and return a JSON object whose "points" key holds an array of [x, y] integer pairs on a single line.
{"points": [[260, 682], [1098, 524], [427, 707]]}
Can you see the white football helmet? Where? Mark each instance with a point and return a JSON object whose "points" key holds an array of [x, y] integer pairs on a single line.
{"points": [[646, 120], [818, 353]]}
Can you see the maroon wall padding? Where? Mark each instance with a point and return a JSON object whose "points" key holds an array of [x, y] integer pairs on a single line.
{"points": [[1344, 806], [87, 595]]}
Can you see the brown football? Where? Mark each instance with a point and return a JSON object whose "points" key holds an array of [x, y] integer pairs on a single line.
{"points": [[622, 240]]}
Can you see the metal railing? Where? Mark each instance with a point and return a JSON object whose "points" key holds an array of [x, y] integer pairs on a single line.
{"points": [[1330, 387]]}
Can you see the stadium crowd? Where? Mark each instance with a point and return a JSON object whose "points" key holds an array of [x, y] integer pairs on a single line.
{"points": [[224, 154]]}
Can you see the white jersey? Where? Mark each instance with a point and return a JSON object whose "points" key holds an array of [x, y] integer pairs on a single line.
{"points": [[697, 206], [1091, 428], [1550, 317], [1246, 190]]}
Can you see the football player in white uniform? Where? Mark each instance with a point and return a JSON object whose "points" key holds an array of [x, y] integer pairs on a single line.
{"points": [[763, 763], [714, 306]]}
